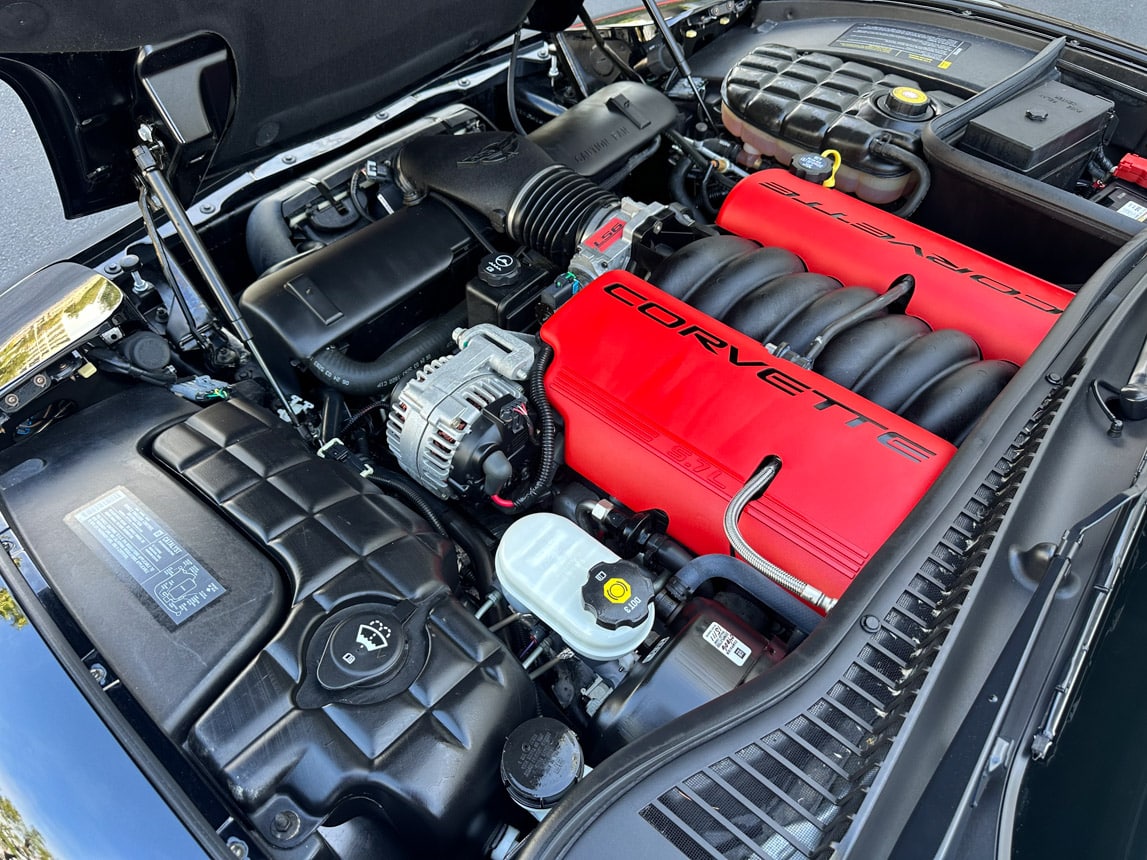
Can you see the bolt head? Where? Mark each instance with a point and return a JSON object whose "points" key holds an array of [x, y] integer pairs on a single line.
{"points": [[284, 822], [206, 208]]}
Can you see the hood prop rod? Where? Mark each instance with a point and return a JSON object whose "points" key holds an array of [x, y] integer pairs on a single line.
{"points": [[155, 182]]}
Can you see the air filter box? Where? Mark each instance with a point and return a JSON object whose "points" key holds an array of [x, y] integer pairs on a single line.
{"points": [[667, 408]]}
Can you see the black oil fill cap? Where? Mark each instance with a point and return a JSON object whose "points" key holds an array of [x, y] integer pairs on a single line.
{"points": [[366, 647], [618, 593], [812, 166]]}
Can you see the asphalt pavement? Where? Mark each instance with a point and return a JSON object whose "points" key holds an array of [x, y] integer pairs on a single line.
{"points": [[32, 223]]}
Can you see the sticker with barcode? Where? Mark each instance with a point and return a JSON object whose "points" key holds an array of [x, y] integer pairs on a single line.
{"points": [[727, 643]]}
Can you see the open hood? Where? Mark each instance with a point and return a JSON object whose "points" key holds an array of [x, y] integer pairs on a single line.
{"points": [[231, 84]]}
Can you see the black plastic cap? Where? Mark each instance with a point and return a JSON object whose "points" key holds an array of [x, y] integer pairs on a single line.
{"points": [[909, 103], [367, 647], [146, 350], [618, 594], [811, 166], [499, 270], [541, 761]]}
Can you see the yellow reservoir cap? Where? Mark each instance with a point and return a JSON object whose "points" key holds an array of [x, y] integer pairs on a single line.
{"points": [[910, 95], [908, 103]]}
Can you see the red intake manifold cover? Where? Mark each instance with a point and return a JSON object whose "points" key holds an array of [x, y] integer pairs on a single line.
{"points": [[668, 408], [1004, 309]]}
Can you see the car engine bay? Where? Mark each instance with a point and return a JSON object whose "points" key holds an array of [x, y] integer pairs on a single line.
{"points": [[580, 429]]}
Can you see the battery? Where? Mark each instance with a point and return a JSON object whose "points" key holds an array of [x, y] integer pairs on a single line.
{"points": [[1125, 199]]}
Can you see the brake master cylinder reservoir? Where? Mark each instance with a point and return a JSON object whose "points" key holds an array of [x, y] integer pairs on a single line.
{"points": [[600, 605]]}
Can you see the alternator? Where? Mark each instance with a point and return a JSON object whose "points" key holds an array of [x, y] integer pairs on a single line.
{"points": [[461, 425]]}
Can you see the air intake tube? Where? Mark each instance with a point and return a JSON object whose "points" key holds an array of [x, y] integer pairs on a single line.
{"points": [[514, 183]]}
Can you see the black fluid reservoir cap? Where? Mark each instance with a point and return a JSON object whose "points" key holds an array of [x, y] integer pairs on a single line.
{"points": [[541, 761], [811, 166], [618, 593], [499, 270], [366, 648]]}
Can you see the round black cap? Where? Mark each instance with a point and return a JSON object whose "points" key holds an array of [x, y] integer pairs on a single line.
{"points": [[499, 270], [811, 166], [366, 648], [908, 103], [541, 761], [618, 594], [146, 350]]}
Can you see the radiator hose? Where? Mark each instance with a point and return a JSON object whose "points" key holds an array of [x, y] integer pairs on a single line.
{"points": [[350, 376], [705, 568]]}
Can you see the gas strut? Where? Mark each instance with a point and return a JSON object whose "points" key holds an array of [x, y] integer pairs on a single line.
{"points": [[158, 185], [1133, 395], [678, 57]]}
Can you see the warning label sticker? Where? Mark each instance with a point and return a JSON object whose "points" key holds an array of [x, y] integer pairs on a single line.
{"points": [[1132, 209], [145, 548], [892, 40], [727, 643]]}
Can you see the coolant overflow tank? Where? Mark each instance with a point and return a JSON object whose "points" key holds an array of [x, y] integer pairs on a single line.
{"points": [[780, 102], [548, 566]]}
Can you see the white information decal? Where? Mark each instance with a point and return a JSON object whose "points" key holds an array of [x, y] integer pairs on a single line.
{"points": [[1133, 210], [727, 643]]}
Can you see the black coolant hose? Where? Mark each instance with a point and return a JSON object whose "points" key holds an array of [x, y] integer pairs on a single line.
{"points": [[679, 194], [268, 236], [704, 568], [885, 148], [350, 376], [548, 464]]}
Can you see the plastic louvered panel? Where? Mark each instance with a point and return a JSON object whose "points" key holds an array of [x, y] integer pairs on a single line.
{"points": [[793, 793]]}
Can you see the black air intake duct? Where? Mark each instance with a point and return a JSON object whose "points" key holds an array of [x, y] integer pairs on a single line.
{"points": [[514, 183]]}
